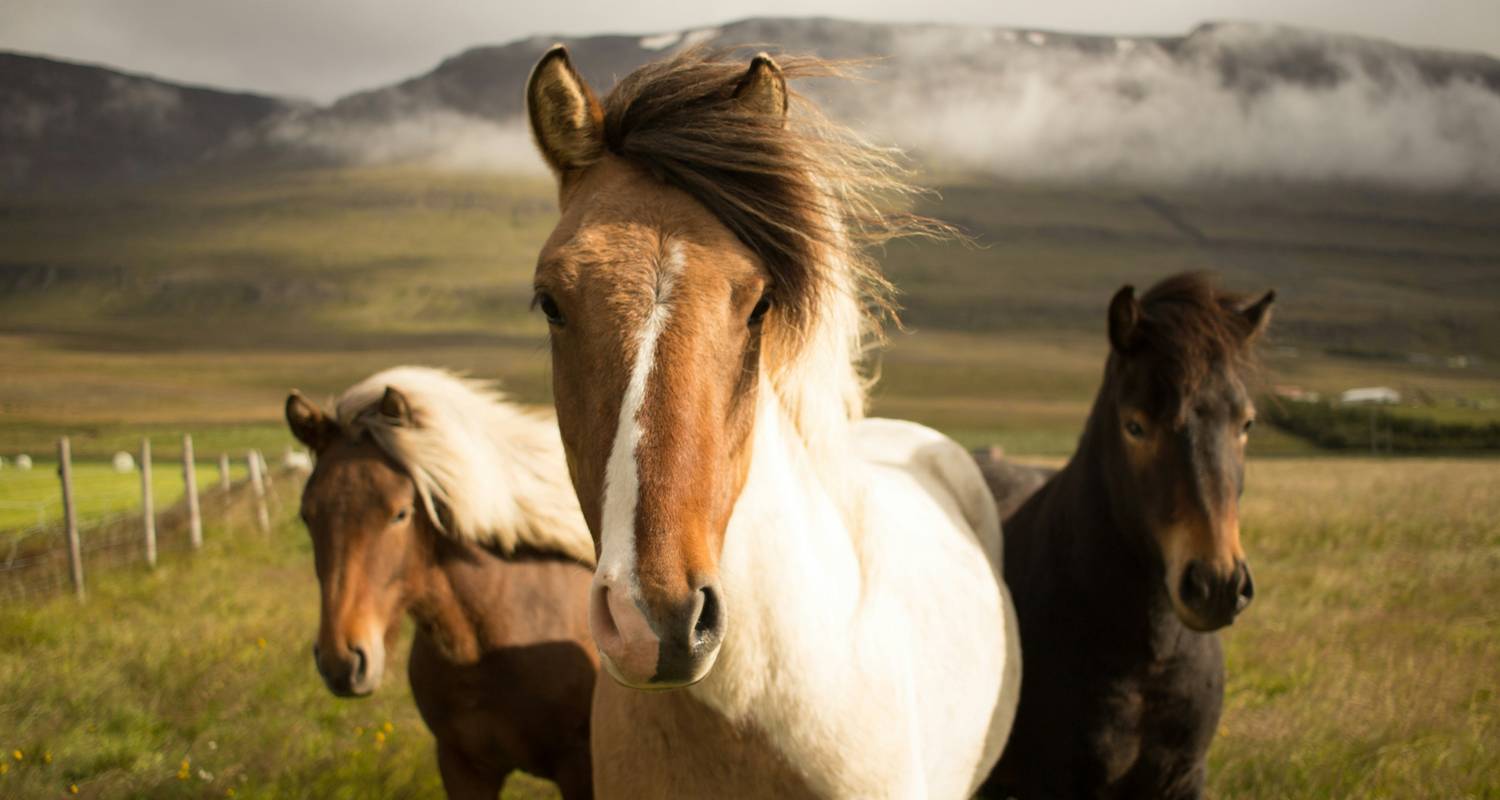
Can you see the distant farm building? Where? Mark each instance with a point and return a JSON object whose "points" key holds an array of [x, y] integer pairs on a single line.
{"points": [[1296, 394], [297, 459], [1370, 395], [123, 462], [23, 461]]}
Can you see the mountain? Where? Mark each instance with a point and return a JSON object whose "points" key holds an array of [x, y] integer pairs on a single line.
{"points": [[1227, 100], [61, 122]]}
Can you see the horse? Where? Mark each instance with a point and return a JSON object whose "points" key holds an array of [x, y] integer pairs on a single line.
{"points": [[792, 600], [1127, 560], [434, 497], [1010, 482]]}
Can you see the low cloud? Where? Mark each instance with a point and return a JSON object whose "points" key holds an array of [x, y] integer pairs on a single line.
{"points": [[441, 139], [1140, 113], [1228, 102]]}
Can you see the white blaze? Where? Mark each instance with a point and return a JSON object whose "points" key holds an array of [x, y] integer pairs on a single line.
{"points": [[621, 480]]}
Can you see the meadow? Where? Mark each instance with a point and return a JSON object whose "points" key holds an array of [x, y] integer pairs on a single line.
{"points": [[197, 304], [1364, 668]]}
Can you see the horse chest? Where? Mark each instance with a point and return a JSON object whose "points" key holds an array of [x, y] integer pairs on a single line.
{"points": [[515, 707], [1152, 725], [669, 745]]}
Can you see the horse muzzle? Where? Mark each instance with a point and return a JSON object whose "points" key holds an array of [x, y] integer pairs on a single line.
{"points": [[668, 649], [1208, 600], [354, 670]]}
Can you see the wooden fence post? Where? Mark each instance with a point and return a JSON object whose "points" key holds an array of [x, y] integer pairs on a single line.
{"points": [[265, 471], [190, 481], [224, 471], [259, 488], [148, 502], [266, 478], [70, 514]]}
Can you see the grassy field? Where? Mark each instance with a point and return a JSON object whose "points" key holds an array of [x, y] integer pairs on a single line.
{"points": [[1364, 669], [32, 497]]}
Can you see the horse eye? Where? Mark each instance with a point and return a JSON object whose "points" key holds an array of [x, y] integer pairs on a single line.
{"points": [[759, 312], [549, 307], [401, 516], [1249, 423], [1134, 429]]}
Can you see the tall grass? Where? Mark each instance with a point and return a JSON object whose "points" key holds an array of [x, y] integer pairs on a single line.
{"points": [[1367, 665]]}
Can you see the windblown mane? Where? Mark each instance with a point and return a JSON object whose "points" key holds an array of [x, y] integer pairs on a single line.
{"points": [[485, 470], [807, 197], [1192, 327]]}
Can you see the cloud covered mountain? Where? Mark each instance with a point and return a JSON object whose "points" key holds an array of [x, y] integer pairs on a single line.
{"points": [[1229, 101]]}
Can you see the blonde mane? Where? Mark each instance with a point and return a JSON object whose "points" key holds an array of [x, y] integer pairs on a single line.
{"points": [[496, 472]]}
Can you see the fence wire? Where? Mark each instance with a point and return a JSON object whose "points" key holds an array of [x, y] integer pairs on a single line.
{"points": [[34, 559]]}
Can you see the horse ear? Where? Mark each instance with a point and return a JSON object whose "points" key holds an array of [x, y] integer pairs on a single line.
{"points": [[566, 118], [395, 407], [309, 424], [763, 88], [1124, 318], [1258, 314]]}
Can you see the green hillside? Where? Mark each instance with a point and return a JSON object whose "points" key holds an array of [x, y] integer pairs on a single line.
{"points": [[197, 304]]}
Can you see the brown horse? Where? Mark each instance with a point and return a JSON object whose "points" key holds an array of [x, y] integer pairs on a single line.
{"points": [[792, 600], [433, 497], [1127, 560]]}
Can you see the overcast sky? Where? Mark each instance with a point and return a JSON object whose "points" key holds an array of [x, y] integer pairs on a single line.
{"points": [[321, 49]]}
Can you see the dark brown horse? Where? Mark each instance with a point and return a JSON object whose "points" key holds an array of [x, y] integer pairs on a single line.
{"points": [[1124, 564], [432, 497]]}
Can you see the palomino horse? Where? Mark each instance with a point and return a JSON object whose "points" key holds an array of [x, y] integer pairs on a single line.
{"points": [[1124, 563], [825, 587], [432, 496]]}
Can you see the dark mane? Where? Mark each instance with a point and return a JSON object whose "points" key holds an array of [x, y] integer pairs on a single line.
{"points": [[1192, 328], [804, 197]]}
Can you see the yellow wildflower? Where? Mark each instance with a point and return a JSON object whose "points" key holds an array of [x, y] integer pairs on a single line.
{"points": [[4, 768], [229, 792], [388, 727], [17, 755], [379, 736], [72, 788], [261, 642], [47, 757]]}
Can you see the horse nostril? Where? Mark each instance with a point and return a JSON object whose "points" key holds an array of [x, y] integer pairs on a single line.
{"points": [[1194, 588], [710, 618], [1246, 587], [360, 662]]}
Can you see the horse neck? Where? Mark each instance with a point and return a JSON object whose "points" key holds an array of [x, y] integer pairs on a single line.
{"points": [[818, 384], [451, 585], [789, 565]]}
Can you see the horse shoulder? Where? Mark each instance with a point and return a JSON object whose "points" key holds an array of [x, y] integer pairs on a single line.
{"points": [[943, 463]]}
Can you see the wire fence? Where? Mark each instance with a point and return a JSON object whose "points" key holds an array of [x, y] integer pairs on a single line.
{"points": [[56, 551]]}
